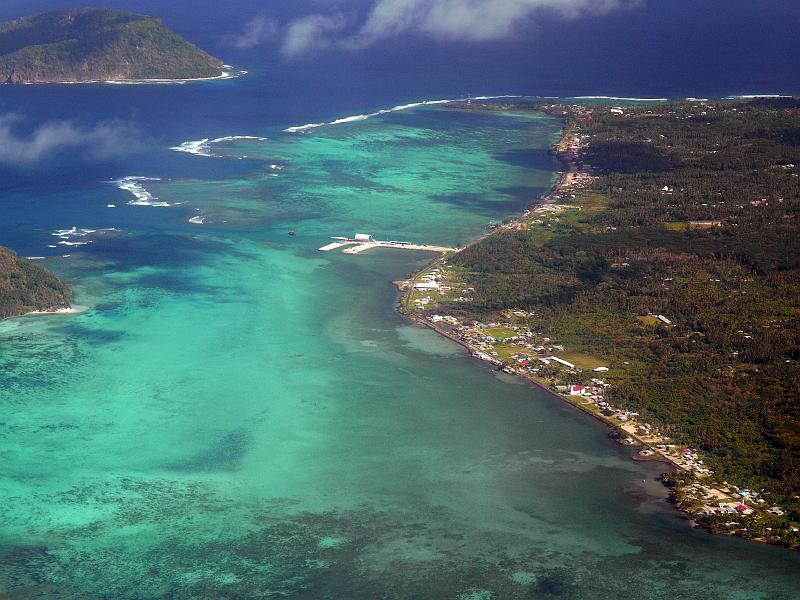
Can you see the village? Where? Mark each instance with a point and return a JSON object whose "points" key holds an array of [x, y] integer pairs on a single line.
{"points": [[516, 349], [512, 343]]}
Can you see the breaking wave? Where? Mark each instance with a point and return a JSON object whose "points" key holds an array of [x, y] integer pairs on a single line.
{"points": [[203, 147], [141, 197], [755, 96], [620, 98], [398, 108], [76, 236], [227, 72]]}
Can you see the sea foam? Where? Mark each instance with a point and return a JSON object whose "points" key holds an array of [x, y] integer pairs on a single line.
{"points": [[141, 197], [618, 98], [227, 72], [353, 118], [755, 96], [384, 111], [304, 127], [76, 236], [203, 147]]}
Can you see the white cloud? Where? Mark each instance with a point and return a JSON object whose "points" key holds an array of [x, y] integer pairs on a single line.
{"points": [[311, 34], [105, 140], [255, 32], [465, 20]]}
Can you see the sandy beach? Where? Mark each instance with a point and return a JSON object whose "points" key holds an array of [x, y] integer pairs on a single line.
{"points": [[225, 74], [72, 310]]}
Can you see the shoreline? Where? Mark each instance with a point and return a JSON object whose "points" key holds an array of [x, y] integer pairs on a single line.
{"points": [[569, 168], [640, 443], [569, 161], [71, 310], [224, 75]]}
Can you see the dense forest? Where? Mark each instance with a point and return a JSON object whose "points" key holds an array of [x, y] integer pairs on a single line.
{"points": [[693, 215], [94, 44], [25, 286]]}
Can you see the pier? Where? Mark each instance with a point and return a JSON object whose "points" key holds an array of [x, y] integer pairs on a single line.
{"points": [[362, 242]]}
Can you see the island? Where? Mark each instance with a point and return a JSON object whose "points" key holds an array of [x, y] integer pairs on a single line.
{"points": [[25, 287], [97, 44], [656, 288]]}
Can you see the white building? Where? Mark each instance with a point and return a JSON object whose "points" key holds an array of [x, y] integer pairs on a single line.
{"points": [[562, 362]]}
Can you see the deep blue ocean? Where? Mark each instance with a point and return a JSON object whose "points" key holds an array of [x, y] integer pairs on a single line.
{"points": [[675, 49], [237, 415]]}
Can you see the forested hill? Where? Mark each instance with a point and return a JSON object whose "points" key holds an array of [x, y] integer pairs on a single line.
{"points": [[692, 213], [96, 44], [25, 286]]}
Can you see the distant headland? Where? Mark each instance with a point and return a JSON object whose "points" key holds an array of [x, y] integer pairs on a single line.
{"points": [[97, 44]]}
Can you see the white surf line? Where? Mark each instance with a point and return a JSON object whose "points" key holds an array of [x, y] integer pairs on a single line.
{"points": [[620, 98], [755, 96], [398, 108], [203, 147], [141, 197], [227, 72], [198, 219], [67, 237]]}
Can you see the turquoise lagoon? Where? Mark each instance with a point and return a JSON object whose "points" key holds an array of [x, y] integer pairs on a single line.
{"points": [[238, 415]]}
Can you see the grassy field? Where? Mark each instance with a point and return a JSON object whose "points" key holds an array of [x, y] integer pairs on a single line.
{"points": [[582, 360], [500, 333]]}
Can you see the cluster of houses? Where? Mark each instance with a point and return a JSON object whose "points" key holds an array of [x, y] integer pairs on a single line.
{"points": [[694, 462], [737, 501], [433, 286], [534, 355], [537, 352], [529, 359], [429, 282], [687, 458]]}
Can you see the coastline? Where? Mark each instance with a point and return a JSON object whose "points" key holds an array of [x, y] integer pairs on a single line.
{"points": [[646, 450], [71, 310], [224, 75], [569, 170]]}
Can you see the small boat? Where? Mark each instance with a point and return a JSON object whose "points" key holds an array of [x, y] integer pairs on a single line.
{"points": [[292, 232]]}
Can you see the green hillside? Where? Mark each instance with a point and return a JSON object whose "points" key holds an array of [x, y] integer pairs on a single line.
{"points": [[93, 44], [25, 286]]}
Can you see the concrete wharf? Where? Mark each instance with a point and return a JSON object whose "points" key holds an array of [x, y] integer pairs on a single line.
{"points": [[364, 242]]}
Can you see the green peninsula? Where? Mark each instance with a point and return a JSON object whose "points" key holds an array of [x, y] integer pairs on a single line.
{"points": [[658, 288], [27, 287], [96, 44]]}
